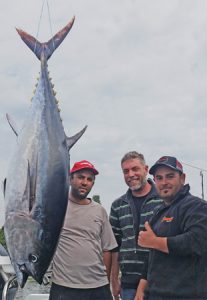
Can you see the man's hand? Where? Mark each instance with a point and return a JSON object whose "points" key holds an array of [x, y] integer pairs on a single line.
{"points": [[140, 290], [116, 289], [148, 239]]}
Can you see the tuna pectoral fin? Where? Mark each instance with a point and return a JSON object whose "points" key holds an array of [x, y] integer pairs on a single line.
{"points": [[26, 194], [73, 139], [30, 187], [48, 48], [12, 124]]}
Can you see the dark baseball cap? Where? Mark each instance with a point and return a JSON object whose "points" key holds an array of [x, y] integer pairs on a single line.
{"points": [[83, 164], [167, 161]]}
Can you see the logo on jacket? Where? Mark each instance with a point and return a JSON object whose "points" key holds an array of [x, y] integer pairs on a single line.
{"points": [[167, 219]]}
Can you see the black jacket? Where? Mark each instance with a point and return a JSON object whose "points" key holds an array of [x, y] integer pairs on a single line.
{"points": [[181, 274]]}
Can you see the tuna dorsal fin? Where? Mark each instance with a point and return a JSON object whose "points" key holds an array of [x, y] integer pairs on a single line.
{"points": [[73, 139], [12, 124], [46, 48]]}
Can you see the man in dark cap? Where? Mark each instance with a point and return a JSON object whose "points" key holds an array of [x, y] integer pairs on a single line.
{"points": [[177, 236], [82, 262]]}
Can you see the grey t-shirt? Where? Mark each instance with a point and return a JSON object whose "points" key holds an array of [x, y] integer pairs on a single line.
{"points": [[86, 233]]}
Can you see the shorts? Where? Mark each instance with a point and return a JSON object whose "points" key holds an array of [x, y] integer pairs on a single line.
{"points": [[58, 292]]}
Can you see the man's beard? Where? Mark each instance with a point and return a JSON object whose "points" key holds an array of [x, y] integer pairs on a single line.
{"points": [[139, 186], [167, 199], [79, 196]]}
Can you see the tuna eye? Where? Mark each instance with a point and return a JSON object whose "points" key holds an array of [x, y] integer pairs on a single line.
{"points": [[33, 258]]}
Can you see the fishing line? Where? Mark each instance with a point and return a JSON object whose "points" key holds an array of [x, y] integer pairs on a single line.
{"points": [[38, 28], [48, 9], [40, 19]]}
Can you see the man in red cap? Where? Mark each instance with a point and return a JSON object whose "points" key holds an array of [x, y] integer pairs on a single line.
{"points": [[82, 262], [176, 234]]}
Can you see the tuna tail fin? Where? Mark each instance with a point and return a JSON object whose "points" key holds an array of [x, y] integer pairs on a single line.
{"points": [[46, 48], [73, 139]]}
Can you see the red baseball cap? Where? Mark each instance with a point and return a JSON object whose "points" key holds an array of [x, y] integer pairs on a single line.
{"points": [[83, 164]]}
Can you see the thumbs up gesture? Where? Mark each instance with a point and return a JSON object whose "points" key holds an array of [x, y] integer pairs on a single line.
{"points": [[147, 238]]}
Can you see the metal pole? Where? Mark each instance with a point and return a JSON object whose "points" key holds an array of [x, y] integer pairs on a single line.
{"points": [[202, 194]]}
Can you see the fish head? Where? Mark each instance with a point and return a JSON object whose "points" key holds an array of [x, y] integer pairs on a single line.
{"points": [[28, 254]]}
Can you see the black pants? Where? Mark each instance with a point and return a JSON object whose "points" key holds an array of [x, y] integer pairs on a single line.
{"points": [[58, 292]]}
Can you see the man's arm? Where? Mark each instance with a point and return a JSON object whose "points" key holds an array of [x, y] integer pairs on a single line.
{"points": [[148, 239], [115, 281], [107, 262], [140, 290]]}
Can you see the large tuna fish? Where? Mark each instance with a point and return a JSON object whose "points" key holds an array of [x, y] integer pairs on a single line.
{"points": [[36, 189]]}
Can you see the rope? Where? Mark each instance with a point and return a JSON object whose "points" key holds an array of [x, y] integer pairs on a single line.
{"points": [[38, 28], [50, 23], [48, 9]]}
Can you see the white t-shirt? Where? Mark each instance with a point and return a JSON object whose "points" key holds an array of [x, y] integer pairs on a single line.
{"points": [[86, 233]]}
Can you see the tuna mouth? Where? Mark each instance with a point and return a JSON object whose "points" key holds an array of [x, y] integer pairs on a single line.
{"points": [[24, 273], [39, 278], [22, 276]]}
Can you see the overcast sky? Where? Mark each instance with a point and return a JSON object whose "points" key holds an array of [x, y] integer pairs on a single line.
{"points": [[134, 71]]}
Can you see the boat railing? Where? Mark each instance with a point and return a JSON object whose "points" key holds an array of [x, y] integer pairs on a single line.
{"points": [[8, 275]]}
